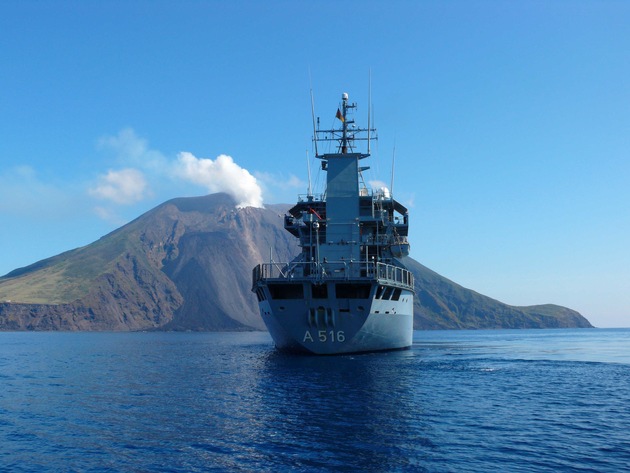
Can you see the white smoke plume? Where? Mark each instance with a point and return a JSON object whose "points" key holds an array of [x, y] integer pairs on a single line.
{"points": [[221, 175], [122, 187]]}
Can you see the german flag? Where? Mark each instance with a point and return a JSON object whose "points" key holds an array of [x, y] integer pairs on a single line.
{"points": [[340, 116]]}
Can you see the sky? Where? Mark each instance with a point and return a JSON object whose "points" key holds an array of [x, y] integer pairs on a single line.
{"points": [[509, 123]]}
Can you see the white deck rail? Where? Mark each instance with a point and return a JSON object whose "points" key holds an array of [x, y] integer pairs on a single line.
{"points": [[334, 271]]}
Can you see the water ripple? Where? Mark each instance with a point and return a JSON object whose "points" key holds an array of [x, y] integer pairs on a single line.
{"points": [[457, 401]]}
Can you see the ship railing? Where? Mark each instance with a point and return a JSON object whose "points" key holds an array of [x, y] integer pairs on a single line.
{"points": [[333, 270], [311, 198], [384, 240]]}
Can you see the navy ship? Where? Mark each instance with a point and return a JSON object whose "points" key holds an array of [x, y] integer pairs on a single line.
{"points": [[348, 290]]}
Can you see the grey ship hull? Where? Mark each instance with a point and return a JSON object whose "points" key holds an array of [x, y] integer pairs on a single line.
{"points": [[347, 333], [355, 316]]}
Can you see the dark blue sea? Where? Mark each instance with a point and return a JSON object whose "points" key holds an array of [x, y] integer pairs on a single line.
{"points": [[458, 401]]}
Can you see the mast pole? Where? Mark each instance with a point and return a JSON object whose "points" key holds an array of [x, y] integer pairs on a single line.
{"points": [[391, 187], [313, 116], [344, 136], [369, 110], [308, 168]]}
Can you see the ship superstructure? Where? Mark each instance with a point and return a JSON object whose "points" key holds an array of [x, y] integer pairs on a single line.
{"points": [[347, 291]]}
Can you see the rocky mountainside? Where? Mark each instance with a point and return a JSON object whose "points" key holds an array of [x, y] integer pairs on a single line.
{"points": [[186, 265], [443, 304]]}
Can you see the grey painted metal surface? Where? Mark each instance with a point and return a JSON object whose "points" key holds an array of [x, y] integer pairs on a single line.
{"points": [[347, 291]]}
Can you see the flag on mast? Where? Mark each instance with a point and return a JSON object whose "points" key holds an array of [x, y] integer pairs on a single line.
{"points": [[340, 116]]}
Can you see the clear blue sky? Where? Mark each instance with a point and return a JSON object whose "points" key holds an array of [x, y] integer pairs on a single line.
{"points": [[510, 121]]}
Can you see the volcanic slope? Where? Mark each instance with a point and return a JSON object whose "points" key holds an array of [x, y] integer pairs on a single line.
{"points": [[187, 265], [442, 304]]}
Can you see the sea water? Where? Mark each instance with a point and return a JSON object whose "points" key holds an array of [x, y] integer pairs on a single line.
{"points": [[457, 401]]}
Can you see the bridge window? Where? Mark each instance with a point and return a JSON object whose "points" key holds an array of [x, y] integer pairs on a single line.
{"points": [[353, 291], [319, 291], [387, 295], [260, 293], [286, 291]]}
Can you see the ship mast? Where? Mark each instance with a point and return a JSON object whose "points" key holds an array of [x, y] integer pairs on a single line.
{"points": [[347, 135], [345, 121]]}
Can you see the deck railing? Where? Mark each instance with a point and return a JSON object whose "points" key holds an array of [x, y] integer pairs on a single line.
{"points": [[335, 270]]}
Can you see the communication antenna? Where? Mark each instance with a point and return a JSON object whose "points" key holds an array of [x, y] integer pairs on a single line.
{"points": [[313, 112], [369, 109], [308, 167], [391, 187]]}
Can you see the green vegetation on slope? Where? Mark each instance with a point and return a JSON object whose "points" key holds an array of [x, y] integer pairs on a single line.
{"points": [[186, 265]]}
